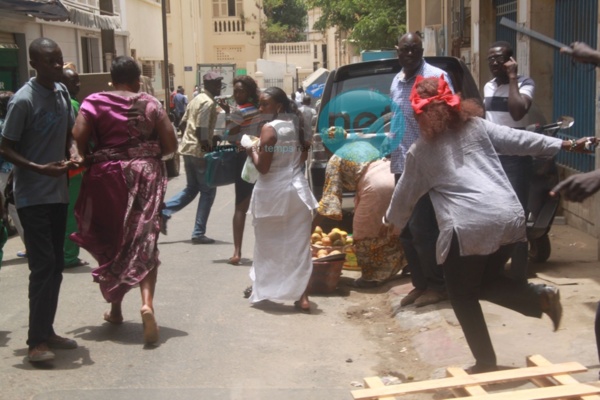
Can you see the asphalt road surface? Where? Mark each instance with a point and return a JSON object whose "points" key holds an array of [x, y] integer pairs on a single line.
{"points": [[213, 344]]}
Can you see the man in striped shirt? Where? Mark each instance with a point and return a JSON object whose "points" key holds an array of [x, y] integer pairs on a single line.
{"points": [[508, 98], [420, 235]]}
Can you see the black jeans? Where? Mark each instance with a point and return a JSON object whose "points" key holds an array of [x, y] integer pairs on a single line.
{"points": [[44, 227], [518, 170], [419, 239], [470, 278]]}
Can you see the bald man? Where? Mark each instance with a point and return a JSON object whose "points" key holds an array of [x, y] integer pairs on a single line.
{"points": [[419, 237], [35, 139]]}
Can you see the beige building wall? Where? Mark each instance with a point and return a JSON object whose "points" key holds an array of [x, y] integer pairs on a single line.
{"points": [[204, 32]]}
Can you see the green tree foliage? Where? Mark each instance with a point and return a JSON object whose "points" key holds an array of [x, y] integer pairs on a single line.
{"points": [[372, 24], [286, 21]]}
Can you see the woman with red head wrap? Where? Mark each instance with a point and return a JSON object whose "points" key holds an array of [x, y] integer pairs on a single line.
{"points": [[478, 213]]}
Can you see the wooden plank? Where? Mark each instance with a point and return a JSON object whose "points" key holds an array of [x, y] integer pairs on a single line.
{"points": [[545, 393], [484, 378], [474, 390], [376, 382], [562, 379]]}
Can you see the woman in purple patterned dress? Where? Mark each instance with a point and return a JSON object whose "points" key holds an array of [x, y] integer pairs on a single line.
{"points": [[122, 135]]}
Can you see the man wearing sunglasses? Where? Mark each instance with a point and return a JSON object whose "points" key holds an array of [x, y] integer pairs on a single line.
{"points": [[508, 97]]}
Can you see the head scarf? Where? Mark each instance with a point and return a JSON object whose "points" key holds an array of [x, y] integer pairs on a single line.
{"points": [[444, 94]]}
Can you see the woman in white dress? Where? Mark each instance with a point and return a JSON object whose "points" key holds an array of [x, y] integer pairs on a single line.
{"points": [[281, 205]]}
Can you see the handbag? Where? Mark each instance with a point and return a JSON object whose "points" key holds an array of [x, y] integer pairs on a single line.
{"points": [[221, 167]]}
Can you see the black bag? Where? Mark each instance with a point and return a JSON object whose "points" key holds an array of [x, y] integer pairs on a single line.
{"points": [[221, 166]]}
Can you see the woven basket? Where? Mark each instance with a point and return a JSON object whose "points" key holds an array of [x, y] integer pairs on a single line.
{"points": [[325, 276]]}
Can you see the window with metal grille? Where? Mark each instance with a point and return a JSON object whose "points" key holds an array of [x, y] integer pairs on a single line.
{"points": [[148, 69]]}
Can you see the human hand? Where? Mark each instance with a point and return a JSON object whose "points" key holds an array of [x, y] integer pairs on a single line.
{"points": [[386, 229], [511, 67], [578, 187], [582, 53], [583, 145], [224, 105], [55, 169]]}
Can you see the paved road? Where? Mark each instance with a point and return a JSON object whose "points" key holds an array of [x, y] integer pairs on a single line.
{"points": [[213, 344]]}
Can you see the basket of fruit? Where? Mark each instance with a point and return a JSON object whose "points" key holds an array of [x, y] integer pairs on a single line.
{"points": [[325, 244]]}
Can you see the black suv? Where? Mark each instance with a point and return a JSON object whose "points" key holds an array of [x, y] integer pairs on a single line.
{"points": [[356, 97]]}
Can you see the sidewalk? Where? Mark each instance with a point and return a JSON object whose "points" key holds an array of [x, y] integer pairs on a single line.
{"points": [[435, 334]]}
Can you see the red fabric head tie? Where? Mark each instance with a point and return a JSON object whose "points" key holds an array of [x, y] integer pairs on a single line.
{"points": [[444, 94]]}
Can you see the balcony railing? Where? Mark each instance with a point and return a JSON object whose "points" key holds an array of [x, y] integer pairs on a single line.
{"points": [[289, 48], [229, 25]]}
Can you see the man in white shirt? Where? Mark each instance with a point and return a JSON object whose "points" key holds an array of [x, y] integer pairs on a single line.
{"points": [[508, 97]]}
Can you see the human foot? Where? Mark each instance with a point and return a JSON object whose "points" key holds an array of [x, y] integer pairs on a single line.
{"points": [[113, 319], [303, 304], [235, 260], [150, 325]]}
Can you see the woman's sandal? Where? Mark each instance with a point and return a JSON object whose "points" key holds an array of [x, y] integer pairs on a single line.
{"points": [[150, 325], [248, 292], [234, 260], [108, 317], [298, 306]]}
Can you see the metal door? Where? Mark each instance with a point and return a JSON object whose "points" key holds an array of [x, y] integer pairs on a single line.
{"points": [[574, 85], [507, 9]]}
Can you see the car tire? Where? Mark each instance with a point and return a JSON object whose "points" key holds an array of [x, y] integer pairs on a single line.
{"points": [[173, 165]]}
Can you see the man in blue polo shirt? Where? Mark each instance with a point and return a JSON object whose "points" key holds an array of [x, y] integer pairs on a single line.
{"points": [[35, 139]]}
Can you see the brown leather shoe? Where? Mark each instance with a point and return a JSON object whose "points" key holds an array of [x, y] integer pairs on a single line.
{"points": [[430, 296], [411, 297], [550, 302], [40, 353]]}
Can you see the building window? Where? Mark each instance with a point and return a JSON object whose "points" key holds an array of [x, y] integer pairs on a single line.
{"points": [[90, 55], [227, 8]]}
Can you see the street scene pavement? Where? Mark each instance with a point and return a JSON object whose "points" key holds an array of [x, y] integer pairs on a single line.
{"points": [[214, 345]]}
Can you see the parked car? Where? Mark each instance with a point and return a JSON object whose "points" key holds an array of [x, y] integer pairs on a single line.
{"points": [[356, 97]]}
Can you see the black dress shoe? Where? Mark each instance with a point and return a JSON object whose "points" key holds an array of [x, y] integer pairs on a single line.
{"points": [[202, 240], [480, 369], [550, 303]]}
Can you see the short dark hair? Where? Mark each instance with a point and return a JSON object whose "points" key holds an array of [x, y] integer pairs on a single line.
{"points": [[306, 100], [504, 44], [125, 70], [35, 48]]}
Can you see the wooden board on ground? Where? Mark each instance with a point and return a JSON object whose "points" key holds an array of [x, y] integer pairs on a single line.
{"points": [[553, 381]]}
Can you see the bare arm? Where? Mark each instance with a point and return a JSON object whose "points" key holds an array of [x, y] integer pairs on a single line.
{"points": [[578, 187], [582, 53], [262, 156], [8, 152], [518, 104], [81, 134], [166, 135]]}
